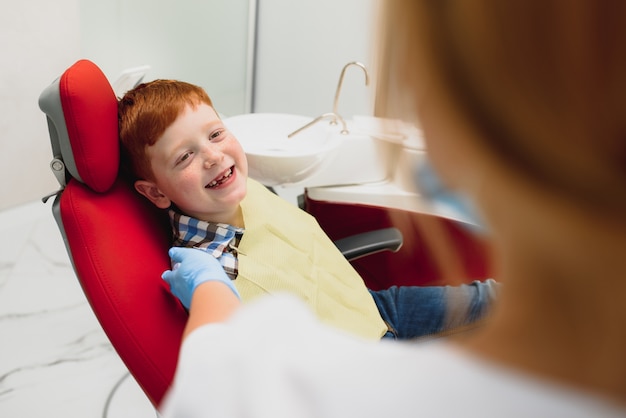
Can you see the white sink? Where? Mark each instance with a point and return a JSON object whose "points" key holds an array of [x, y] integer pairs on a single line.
{"points": [[273, 158]]}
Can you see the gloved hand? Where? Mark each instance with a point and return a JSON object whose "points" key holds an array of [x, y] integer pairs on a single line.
{"points": [[191, 268]]}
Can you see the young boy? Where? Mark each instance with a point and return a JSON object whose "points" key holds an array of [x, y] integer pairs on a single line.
{"points": [[186, 161]]}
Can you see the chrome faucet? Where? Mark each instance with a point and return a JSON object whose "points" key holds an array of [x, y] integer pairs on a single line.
{"points": [[334, 115], [333, 120], [343, 72]]}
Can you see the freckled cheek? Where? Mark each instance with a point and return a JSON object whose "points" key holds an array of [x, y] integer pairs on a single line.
{"points": [[240, 158], [243, 165], [186, 181]]}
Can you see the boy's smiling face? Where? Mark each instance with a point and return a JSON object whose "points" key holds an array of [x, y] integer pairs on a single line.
{"points": [[199, 166]]}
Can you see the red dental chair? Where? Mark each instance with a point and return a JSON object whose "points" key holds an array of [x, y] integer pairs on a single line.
{"points": [[116, 239], [436, 251]]}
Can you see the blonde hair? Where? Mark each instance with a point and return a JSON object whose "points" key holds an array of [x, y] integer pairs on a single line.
{"points": [[542, 81]]}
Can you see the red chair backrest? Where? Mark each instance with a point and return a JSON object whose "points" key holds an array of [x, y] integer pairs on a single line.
{"points": [[116, 239]]}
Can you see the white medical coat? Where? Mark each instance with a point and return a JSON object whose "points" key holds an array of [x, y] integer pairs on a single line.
{"points": [[274, 359]]}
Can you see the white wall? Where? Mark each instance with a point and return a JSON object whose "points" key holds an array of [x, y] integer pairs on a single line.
{"points": [[302, 47], [38, 39]]}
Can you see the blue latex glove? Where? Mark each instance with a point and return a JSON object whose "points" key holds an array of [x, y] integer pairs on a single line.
{"points": [[191, 268]]}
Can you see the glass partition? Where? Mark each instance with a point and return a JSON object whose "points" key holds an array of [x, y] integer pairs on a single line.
{"points": [[205, 42]]}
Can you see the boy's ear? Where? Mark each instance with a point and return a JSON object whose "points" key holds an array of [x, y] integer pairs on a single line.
{"points": [[152, 193]]}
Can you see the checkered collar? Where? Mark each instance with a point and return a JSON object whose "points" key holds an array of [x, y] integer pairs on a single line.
{"points": [[218, 239]]}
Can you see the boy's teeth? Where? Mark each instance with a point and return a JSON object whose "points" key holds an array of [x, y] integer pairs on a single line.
{"points": [[221, 179]]}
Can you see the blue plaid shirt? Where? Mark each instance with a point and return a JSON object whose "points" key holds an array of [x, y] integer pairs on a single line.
{"points": [[220, 240]]}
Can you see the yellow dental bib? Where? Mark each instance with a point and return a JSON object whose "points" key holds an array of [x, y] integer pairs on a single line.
{"points": [[284, 249]]}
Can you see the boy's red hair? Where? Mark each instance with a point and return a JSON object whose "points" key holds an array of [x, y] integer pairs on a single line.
{"points": [[145, 112]]}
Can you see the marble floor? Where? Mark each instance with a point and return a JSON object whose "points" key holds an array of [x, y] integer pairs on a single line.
{"points": [[54, 358]]}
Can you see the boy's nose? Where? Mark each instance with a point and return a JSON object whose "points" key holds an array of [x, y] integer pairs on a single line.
{"points": [[212, 156]]}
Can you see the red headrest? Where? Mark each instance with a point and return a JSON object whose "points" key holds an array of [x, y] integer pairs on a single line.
{"points": [[82, 111]]}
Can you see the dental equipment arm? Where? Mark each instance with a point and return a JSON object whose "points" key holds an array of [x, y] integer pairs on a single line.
{"points": [[366, 243]]}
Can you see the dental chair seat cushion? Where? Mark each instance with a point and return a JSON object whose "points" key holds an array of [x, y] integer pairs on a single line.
{"points": [[96, 159]]}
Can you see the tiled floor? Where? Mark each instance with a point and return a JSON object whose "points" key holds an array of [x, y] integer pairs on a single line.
{"points": [[55, 361]]}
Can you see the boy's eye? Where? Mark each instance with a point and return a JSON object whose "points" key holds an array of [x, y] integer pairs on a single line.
{"points": [[184, 157], [216, 134]]}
